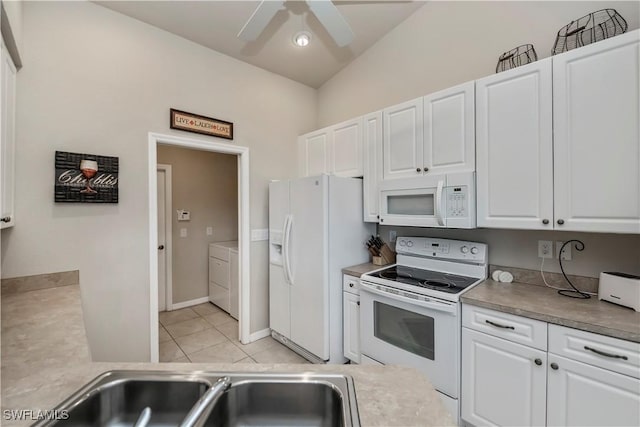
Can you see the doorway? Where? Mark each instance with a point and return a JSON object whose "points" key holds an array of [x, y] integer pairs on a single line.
{"points": [[156, 218]]}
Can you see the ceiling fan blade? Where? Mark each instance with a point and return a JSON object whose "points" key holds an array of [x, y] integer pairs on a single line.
{"points": [[259, 20], [331, 18]]}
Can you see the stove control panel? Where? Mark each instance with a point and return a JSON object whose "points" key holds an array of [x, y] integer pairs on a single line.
{"points": [[453, 250]]}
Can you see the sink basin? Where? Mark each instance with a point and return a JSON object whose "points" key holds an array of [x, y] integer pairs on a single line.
{"points": [[115, 400], [118, 398], [284, 403]]}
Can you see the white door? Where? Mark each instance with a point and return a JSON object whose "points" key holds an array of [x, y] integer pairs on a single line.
{"points": [[308, 251], [596, 95], [584, 395], [449, 130], [503, 383], [7, 135], [279, 288], [372, 174], [351, 316], [162, 253], [313, 153], [345, 149], [514, 147], [403, 140]]}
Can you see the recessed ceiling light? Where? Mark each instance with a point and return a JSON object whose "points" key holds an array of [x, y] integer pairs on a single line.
{"points": [[302, 38]]}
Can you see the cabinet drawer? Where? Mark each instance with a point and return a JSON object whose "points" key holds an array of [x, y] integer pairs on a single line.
{"points": [[513, 328], [351, 284], [219, 252], [599, 350], [219, 296], [219, 272]]}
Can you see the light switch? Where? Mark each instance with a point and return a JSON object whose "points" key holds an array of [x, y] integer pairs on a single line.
{"points": [[183, 215], [209, 231], [183, 232]]}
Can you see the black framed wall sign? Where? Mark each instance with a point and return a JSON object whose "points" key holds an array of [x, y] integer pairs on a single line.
{"points": [[85, 178]]}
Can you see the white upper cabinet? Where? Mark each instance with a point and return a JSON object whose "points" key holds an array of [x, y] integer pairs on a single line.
{"points": [[336, 150], [596, 104], [449, 130], [514, 137], [345, 149], [403, 143], [313, 152], [7, 134], [372, 174]]}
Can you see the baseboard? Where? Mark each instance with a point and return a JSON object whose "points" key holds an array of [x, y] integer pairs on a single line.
{"points": [[185, 304], [259, 335]]}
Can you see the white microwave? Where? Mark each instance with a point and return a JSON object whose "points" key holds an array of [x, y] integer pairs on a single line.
{"points": [[443, 201]]}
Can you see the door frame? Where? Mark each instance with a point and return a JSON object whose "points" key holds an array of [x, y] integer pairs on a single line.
{"points": [[168, 237], [244, 232]]}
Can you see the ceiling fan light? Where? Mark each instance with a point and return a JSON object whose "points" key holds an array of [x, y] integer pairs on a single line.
{"points": [[302, 38]]}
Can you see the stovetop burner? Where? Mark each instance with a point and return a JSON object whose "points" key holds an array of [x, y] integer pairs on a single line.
{"points": [[439, 281]]}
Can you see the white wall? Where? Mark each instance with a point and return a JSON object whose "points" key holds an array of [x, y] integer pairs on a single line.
{"points": [[95, 81], [445, 43], [205, 184]]}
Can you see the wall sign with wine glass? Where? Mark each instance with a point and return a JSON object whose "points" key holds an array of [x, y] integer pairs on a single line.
{"points": [[86, 178]]}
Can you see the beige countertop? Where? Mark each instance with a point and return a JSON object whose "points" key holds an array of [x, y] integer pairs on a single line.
{"points": [[545, 304], [45, 358], [360, 269]]}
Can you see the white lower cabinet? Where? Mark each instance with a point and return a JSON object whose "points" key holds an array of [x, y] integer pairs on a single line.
{"points": [[223, 276], [585, 395], [351, 318], [596, 381]]}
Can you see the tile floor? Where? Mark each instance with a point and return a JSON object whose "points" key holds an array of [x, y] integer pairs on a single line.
{"points": [[206, 334]]}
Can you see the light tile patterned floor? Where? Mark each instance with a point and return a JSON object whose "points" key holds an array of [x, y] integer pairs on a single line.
{"points": [[206, 334]]}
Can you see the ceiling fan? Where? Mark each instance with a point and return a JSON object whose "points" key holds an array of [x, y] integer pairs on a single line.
{"points": [[326, 12]]}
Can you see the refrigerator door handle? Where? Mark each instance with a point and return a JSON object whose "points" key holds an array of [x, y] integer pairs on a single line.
{"points": [[286, 239]]}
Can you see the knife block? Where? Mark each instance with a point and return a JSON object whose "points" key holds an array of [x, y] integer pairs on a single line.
{"points": [[387, 256]]}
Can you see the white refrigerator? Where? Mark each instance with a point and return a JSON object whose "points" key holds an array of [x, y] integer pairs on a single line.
{"points": [[316, 228]]}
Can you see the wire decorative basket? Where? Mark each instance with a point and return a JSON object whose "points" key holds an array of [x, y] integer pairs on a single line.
{"points": [[591, 28], [516, 57]]}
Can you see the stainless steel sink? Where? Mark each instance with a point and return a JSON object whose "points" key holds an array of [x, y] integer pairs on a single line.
{"points": [[119, 398], [288, 401]]}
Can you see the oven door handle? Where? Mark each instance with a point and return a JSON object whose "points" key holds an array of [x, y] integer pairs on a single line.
{"points": [[438, 306]]}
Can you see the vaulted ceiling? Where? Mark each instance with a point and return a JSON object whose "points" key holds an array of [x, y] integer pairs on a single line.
{"points": [[215, 24]]}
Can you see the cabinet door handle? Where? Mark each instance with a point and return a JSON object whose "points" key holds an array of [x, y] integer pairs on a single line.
{"points": [[602, 353], [5, 219], [161, 247], [497, 325], [554, 366], [426, 169], [545, 221], [351, 284], [538, 362], [358, 303], [418, 169], [560, 221]]}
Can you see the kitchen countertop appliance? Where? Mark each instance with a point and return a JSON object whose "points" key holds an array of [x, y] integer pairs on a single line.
{"points": [[410, 312]]}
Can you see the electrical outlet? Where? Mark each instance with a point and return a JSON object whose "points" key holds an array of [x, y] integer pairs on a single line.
{"points": [[392, 236], [545, 249], [566, 252], [183, 232], [209, 231]]}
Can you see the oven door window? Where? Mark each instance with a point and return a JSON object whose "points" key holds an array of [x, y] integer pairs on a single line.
{"points": [[405, 329]]}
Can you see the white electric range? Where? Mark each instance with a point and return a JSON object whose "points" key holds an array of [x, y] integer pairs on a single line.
{"points": [[410, 312]]}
